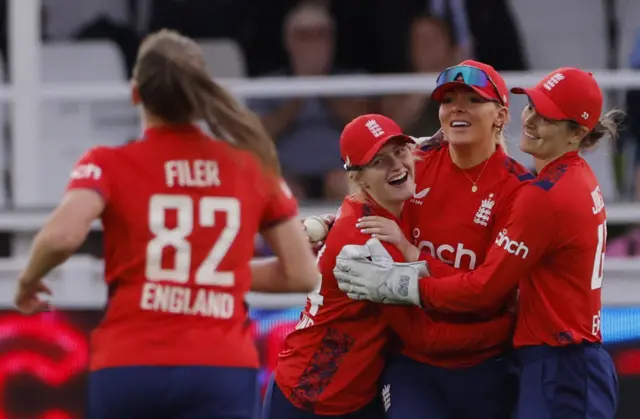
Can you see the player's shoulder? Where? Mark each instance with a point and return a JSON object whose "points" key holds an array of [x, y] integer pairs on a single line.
{"points": [[427, 153], [515, 172], [93, 162], [117, 152], [101, 152], [350, 210], [344, 229], [561, 176]]}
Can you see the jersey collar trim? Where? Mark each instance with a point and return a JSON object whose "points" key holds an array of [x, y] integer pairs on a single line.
{"points": [[168, 131]]}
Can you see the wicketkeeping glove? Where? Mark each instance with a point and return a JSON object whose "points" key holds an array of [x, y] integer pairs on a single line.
{"points": [[369, 273]]}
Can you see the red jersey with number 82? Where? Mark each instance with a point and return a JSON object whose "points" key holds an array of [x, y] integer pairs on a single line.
{"points": [[181, 214]]}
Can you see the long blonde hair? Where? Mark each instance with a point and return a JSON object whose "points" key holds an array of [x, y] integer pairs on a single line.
{"points": [[174, 85]]}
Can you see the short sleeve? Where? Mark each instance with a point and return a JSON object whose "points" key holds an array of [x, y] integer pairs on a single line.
{"points": [[280, 204], [90, 172]]}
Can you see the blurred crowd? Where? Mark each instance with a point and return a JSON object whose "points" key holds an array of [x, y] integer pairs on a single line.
{"points": [[325, 37]]}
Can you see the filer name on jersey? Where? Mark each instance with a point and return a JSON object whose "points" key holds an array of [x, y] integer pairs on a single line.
{"points": [[196, 173]]}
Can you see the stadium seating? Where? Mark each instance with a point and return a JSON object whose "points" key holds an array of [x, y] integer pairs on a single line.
{"points": [[69, 127], [224, 58]]}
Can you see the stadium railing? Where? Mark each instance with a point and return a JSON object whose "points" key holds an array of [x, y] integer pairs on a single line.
{"points": [[79, 284]]}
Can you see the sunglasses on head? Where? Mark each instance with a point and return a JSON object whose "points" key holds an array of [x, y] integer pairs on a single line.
{"points": [[470, 76]]}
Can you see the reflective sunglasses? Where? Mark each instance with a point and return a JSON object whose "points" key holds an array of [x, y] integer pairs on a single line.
{"points": [[470, 76]]}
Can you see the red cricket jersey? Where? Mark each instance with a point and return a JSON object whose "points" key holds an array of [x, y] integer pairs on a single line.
{"points": [[454, 228], [181, 214], [553, 247], [333, 359]]}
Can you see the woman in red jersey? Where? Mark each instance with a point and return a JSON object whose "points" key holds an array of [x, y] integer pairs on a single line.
{"points": [[180, 212], [332, 362], [552, 246], [463, 195]]}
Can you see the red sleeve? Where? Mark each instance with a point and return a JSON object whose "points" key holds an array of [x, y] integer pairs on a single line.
{"points": [[437, 268], [344, 232], [280, 206], [91, 173], [525, 238], [505, 209], [444, 335]]}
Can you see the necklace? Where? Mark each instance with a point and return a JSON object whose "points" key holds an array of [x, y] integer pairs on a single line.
{"points": [[474, 188]]}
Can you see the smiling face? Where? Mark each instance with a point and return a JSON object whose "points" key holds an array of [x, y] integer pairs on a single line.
{"points": [[468, 118], [389, 177], [545, 139]]}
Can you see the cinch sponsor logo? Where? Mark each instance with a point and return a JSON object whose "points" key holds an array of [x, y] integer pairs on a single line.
{"points": [[86, 171], [457, 256], [512, 246]]}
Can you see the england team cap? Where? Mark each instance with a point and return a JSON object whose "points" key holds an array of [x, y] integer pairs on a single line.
{"points": [[364, 136], [480, 77], [566, 94]]}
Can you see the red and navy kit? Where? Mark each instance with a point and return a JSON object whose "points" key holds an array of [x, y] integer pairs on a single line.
{"points": [[333, 359], [181, 214], [552, 247], [454, 228]]}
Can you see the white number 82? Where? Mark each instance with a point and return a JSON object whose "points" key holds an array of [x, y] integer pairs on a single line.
{"points": [[176, 237]]}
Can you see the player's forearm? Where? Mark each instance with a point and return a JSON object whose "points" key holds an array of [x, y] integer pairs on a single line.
{"points": [[269, 275], [458, 293], [484, 289], [265, 273], [481, 335], [49, 250], [437, 268]]}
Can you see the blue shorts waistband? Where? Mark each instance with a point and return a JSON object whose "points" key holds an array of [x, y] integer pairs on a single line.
{"points": [[529, 354]]}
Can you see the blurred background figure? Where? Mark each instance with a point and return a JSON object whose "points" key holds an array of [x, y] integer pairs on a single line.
{"points": [[432, 48], [306, 130]]}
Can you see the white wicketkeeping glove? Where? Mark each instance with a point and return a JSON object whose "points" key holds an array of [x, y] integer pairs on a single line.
{"points": [[369, 273]]}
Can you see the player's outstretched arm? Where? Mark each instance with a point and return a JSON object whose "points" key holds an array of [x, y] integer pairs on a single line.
{"points": [[388, 231], [526, 237], [294, 269], [61, 236]]}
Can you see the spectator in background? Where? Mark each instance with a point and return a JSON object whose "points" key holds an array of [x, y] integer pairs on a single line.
{"points": [[307, 129], [201, 18], [455, 11], [496, 36], [433, 48]]}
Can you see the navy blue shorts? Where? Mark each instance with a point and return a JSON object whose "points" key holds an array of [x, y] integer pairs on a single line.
{"points": [[277, 406], [572, 382], [173, 393], [411, 389]]}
